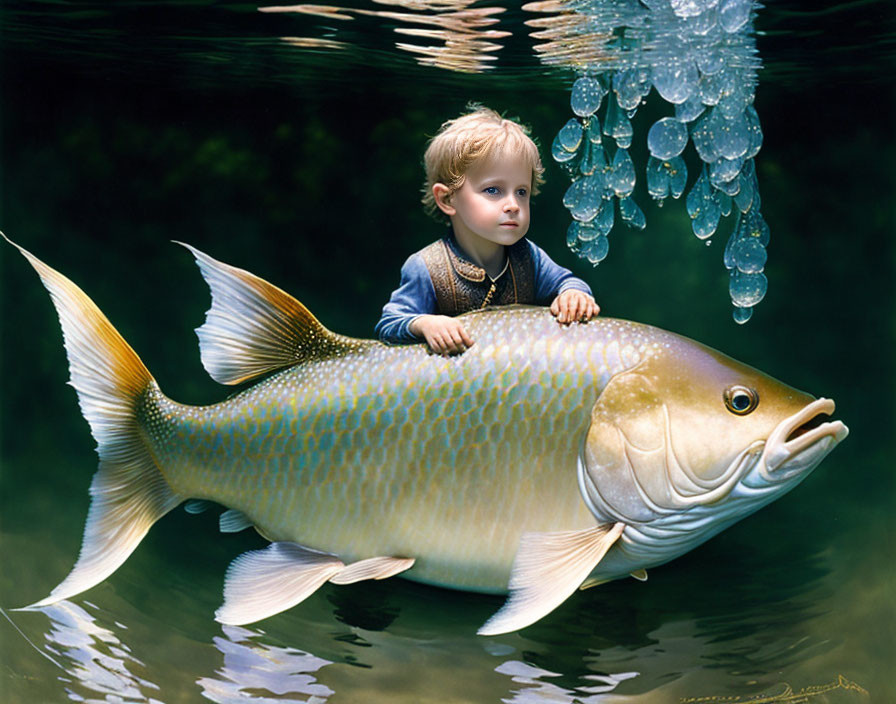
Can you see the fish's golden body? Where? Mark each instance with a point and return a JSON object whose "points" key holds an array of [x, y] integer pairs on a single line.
{"points": [[544, 459], [393, 450]]}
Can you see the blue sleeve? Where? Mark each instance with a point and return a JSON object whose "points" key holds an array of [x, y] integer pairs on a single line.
{"points": [[551, 279], [415, 296]]}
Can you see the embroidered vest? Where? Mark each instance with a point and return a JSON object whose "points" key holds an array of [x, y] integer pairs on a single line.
{"points": [[462, 286]]}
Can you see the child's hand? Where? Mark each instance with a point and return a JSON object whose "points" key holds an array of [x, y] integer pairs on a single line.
{"points": [[573, 305], [444, 335]]}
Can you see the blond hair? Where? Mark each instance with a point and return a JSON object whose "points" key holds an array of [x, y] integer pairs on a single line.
{"points": [[479, 134]]}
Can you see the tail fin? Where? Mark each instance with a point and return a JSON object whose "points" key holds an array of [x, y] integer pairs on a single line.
{"points": [[128, 491]]}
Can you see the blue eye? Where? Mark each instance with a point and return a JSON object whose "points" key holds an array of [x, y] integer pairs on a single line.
{"points": [[491, 190], [522, 193]]}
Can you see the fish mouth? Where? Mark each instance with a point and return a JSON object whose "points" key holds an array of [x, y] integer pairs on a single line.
{"points": [[808, 428]]}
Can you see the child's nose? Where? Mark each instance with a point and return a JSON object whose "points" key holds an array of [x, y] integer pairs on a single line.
{"points": [[511, 205]]}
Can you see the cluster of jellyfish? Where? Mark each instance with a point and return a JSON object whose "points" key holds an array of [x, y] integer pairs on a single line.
{"points": [[699, 56]]}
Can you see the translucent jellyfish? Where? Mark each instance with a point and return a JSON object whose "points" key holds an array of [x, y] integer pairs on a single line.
{"points": [[593, 158], [592, 130], [748, 255], [678, 176], [758, 228], [621, 178], [617, 125], [583, 197], [734, 14], [703, 140], [710, 59], [675, 80], [742, 315], [737, 91], [704, 23], [604, 220], [730, 138], [724, 201], [690, 109], [744, 197], [570, 135], [630, 87], [572, 234], [560, 153], [667, 138], [755, 132], [699, 193], [657, 178], [596, 250], [581, 231], [631, 214], [709, 88], [587, 95], [707, 219], [691, 8], [746, 289], [704, 208], [723, 170], [729, 188]]}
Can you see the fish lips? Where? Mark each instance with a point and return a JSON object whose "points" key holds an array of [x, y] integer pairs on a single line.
{"points": [[803, 440]]}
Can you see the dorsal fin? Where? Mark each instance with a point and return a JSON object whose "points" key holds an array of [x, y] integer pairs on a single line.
{"points": [[254, 328]]}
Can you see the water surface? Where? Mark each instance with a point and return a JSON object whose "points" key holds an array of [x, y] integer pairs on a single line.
{"points": [[126, 128]]}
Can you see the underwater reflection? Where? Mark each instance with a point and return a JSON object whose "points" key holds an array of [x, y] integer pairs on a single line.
{"points": [[98, 665], [733, 633], [254, 670], [462, 41]]}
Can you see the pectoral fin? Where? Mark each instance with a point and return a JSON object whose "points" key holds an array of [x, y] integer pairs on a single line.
{"points": [[548, 568], [265, 582]]}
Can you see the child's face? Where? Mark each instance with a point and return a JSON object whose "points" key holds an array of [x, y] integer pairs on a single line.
{"points": [[493, 202]]}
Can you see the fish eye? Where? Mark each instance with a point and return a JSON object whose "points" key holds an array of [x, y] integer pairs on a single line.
{"points": [[741, 400]]}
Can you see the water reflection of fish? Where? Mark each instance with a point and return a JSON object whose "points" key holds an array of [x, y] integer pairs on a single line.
{"points": [[360, 461]]}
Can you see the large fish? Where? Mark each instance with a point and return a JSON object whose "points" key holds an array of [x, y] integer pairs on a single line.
{"points": [[544, 459]]}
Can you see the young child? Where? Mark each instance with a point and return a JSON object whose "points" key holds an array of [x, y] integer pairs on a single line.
{"points": [[480, 172]]}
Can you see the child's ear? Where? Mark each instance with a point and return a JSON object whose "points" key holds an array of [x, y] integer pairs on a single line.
{"points": [[442, 195]]}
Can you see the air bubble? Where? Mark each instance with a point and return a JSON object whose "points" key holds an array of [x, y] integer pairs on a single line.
{"points": [[622, 176], [560, 153], [734, 14], [749, 255], [587, 95], [667, 138], [747, 289], [742, 315], [631, 214], [596, 251], [581, 231], [570, 135], [675, 81]]}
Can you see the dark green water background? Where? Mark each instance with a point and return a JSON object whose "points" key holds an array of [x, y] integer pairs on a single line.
{"points": [[127, 126]]}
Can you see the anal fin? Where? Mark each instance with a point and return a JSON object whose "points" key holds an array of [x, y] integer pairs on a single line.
{"points": [[548, 568], [372, 568], [265, 582]]}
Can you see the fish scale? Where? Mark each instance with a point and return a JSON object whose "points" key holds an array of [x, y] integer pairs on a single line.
{"points": [[387, 434]]}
